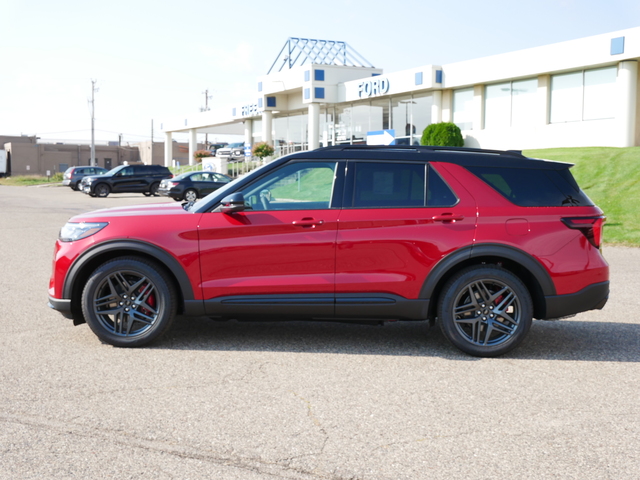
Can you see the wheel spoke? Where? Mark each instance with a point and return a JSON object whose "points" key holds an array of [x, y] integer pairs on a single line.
{"points": [[141, 317], [465, 309], [502, 328]]}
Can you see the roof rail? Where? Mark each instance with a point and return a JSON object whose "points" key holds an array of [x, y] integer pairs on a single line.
{"points": [[423, 148]]}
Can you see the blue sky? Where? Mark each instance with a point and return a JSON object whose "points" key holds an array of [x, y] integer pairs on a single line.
{"points": [[154, 59]]}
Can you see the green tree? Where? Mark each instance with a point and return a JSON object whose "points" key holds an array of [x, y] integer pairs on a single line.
{"points": [[262, 149]]}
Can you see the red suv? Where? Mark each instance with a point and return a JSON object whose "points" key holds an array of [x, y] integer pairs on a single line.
{"points": [[480, 241]]}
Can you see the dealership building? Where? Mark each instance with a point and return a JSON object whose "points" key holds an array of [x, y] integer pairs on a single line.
{"points": [[317, 93]]}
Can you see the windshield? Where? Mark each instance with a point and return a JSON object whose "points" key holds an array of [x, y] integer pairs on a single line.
{"points": [[115, 169], [236, 145]]}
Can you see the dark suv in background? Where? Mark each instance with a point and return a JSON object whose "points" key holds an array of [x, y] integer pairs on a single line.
{"points": [[481, 242], [144, 179], [73, 175]]}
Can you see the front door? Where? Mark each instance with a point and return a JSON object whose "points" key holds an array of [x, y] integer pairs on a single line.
{"points": [[281, 249]]}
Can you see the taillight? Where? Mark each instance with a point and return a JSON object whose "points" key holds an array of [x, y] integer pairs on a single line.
{"points": [[591, 227]]}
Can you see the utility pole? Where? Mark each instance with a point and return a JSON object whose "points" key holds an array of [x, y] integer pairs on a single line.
{"points": [[93, 118], [151, 156], [206, 109]]}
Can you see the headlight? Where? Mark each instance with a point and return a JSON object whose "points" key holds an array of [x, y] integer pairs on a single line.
{"points": [[77, 231]]}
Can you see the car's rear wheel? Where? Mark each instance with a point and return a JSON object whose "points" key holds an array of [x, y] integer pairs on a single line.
{"points": [[190, 195], [485, 310], [102, 190], [129, 302]]}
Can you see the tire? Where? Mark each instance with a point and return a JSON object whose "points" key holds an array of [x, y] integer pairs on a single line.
{"points": [[102, 190], [153, 189], [485, 311], [129, 302], [190, 195]]}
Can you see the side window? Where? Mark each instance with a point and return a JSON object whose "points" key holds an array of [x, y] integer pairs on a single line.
{"points": [[438, 192], [125, 172], [389, 185], [294, 186], [529, 187], [219, 178], [199, 177]]}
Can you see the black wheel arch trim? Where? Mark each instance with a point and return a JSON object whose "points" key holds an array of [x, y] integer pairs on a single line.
{"points": [[133, 245], [488, 250]]}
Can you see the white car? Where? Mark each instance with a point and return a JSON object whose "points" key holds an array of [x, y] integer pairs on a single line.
{"points": [[232, 152]]}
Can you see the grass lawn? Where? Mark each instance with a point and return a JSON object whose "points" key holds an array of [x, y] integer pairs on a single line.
{"points": [[611, 178], [26, 180]]}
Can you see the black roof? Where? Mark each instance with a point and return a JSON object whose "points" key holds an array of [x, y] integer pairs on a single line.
{"points": [[467, 157]]}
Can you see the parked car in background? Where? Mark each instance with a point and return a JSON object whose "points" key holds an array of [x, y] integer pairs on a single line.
{"points": [[479, 241], [73, 175], [192, 185], [144, 179], [214, 147], [232, 152]]}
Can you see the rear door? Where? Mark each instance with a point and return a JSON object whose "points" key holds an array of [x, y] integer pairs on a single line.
{"points": [[400, 219]]}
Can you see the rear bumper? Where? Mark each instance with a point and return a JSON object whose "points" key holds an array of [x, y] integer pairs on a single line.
{"points": [[592, 297]]}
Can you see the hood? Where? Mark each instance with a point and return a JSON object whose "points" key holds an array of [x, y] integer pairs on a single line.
{"points": [[132, 211]]}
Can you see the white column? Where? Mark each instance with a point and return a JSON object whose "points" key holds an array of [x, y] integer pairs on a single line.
{"points": [[478, 107], [436, 107], [543, 96], [168, 149], [248, 132], [193, 145], [447, 106], [267, 127], [627, 85], [314, 126]]}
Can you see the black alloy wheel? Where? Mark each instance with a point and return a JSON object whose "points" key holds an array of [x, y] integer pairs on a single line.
{"points": [[485, 310], [129, 302], [102, 190], [153, 190]]}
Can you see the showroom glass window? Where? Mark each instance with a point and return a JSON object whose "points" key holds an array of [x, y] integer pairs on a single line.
{"points": [[584, 95], [421, 115], [360, 122], [463, 108], [510, 104]]}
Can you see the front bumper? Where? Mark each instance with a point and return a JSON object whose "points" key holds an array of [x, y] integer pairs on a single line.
{"points": [[592, 297], [62, 305]]}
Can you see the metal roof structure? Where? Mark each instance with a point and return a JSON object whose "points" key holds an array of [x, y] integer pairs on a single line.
{"points": [[298, 51]]}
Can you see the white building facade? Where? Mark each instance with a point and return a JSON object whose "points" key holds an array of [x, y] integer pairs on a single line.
{"points": [[578, 93]]}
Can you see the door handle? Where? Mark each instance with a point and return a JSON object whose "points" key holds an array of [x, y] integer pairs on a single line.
{"points": [[447, 218], [308, 222]]}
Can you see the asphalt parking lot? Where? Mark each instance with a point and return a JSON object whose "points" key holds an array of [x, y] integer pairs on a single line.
{"points": [[229, 400]]}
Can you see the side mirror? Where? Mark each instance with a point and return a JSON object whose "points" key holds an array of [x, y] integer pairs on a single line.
{"points": [[233, 203]]}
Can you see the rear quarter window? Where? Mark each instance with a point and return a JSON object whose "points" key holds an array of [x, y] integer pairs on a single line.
{"points": [[528, 187]]}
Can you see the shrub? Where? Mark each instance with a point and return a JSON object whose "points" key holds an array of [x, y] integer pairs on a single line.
{"points": [[443, 134], [200, 154], [262, 149]]}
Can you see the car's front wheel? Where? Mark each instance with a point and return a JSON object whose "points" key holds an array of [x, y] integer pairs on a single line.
{"points": [[485, 310], [102, 190], [129, 302]]}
